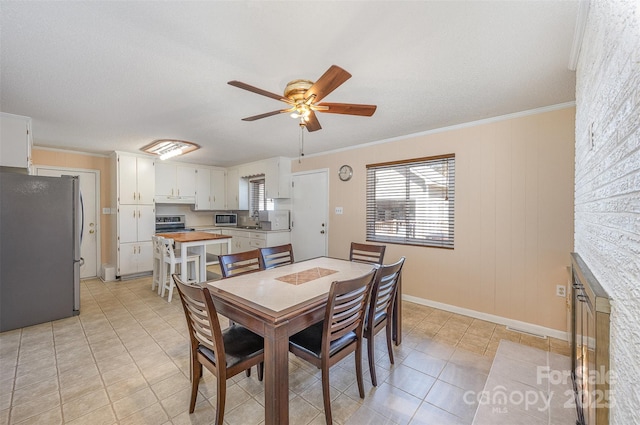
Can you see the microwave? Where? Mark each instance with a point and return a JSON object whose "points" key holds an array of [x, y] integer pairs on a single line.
{"points": [[225, 219]]}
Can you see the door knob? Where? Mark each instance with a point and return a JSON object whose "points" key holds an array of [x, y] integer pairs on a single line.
{"points": [[92, 231]]}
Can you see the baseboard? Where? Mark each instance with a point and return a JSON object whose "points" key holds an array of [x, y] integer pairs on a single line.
{"points": [[530, 328]]}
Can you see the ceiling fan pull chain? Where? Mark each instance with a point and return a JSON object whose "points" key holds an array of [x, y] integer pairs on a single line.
{"points": [[301, 141]]}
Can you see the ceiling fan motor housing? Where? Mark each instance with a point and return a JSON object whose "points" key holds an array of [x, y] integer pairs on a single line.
{"points": [[296, 89]]}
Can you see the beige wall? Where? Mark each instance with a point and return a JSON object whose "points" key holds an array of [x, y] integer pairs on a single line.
{"points": [[513, 215], [70, 159]]}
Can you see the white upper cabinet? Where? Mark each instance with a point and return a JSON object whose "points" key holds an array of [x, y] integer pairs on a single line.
{"points": [[203, 189], [15, 141], [175, 183], [210, 189], [277, 178], [218, 189], [135, 179], [237, 191]]}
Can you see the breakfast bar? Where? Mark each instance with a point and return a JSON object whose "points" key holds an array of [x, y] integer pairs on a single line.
{"points": [[198, 242]]}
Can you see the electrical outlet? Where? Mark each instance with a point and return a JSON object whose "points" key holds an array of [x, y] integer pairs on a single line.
{"points": [[561, 290], [339, 210]]}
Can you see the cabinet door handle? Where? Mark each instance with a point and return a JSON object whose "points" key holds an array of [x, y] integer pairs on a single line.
{"points": [[138, 213], [134, 214], [134, 196]]}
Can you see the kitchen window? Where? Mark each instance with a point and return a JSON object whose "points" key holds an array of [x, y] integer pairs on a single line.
{"points": [[257, 199], [411, 202]]}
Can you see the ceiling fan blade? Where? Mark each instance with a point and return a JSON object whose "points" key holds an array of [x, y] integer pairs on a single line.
{"points": [[313, 124], [253, 89], [328, 82], [266, 114], [348, 109]]}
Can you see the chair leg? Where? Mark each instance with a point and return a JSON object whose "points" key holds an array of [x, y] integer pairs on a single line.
{"points": [[248, 372], [389, 331], [196, 373], [371, 356], [260, 371], [220, 399], [359, 368], [326, 396], [163, 278]]}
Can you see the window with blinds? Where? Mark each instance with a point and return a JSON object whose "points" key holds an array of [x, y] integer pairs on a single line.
{"points": [[257, 199], [412, 202]]}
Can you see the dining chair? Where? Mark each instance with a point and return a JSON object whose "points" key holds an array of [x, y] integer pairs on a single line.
{"points": [[225, 353], [366, 253], [380, 310], [276, 256], [240, 263], [340, 333], [170, 264]]}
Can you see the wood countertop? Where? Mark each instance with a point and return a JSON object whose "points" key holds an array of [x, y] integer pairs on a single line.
{"points": [[192, 236]]}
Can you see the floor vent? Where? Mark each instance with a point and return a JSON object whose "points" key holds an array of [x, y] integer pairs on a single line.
{"points": [[509, 328]]}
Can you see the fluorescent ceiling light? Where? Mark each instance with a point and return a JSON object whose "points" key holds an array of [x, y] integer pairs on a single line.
{"points": [[168, 148]]}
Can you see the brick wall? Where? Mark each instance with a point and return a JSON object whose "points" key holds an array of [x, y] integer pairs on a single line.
{"points": [[607, 182]]}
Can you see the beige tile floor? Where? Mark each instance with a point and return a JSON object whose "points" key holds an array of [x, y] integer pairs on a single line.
{"points": [[124, 360]]}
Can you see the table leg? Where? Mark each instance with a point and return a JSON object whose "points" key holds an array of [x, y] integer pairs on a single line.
{"points": [[184, 273], [276, 376]]}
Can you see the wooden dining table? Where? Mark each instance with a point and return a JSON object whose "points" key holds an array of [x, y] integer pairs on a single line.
{"points": [[197, 243], [277, 303]]}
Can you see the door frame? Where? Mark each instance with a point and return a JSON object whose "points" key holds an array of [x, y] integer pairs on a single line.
{"points": [[97, 205], [324, 171]]}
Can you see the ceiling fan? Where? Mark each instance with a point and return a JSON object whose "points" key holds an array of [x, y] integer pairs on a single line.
{"points": [[304, 96]]}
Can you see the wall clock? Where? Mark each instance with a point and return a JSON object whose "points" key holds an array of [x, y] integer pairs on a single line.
{"points": [[345, 173]]}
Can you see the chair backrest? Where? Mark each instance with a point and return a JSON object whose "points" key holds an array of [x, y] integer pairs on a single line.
{"points": [[166, 245], [276, 256], [366, 253], [202, 318], [383, 292], [240, 263], [157, 242], [345, 309]]}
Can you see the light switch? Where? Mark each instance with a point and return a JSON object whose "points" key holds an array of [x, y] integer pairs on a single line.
{"points": [[106, 211], [338, 210]]}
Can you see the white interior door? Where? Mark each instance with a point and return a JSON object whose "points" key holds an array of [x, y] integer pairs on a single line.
{"points": [[89, 181], [309, 214]]}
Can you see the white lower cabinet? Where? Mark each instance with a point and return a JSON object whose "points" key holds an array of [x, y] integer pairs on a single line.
{"points": [[246, 240], [135, 257]]}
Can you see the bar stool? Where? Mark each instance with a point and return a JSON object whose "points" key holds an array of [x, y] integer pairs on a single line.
{"points": [[157, 261], [170, 263]]}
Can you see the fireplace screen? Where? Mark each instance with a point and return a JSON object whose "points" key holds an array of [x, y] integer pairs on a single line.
{"points": [[590, 345]]}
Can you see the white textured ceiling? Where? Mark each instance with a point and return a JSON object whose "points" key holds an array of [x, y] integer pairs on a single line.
{"points": [[104, 75]]}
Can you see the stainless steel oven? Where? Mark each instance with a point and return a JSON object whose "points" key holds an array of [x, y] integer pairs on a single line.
{"points": [[171, 223]]}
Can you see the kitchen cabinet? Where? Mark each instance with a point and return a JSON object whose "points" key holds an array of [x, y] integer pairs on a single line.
{"points": [[175, 183], [15, 141], [134, 222], [210, 189], [135, 179], [246, 239], [277, 178], [135, 257], [237, 191], [218, 189], [240, 241]]}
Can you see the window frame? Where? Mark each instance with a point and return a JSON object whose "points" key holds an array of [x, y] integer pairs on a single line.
{"points": [[437, 227]]}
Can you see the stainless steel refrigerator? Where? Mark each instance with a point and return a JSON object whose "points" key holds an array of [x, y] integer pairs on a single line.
{"points": [[40, 236]]}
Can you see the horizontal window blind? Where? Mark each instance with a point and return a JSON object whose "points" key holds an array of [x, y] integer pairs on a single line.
{"points": [[412, 202]]}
